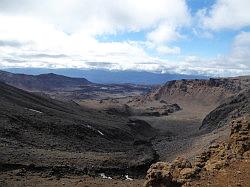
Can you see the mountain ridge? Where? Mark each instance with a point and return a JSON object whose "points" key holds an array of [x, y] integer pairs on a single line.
{"points": [[205, 92], [103, 76], [41, 82]]}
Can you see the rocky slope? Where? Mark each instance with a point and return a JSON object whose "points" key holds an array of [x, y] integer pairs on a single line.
{"points": [[182, 172], [199, 92], [235, 106], [229, 100], [189, 110], [38, 132]]}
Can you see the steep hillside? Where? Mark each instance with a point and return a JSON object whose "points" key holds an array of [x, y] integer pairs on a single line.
{"points": [[200, 92], [224, 163], [222, 141], [196, 98], [45, 133], [43, 82], [235, 106]]}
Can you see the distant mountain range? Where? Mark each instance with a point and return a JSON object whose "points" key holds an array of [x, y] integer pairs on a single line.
{"points": [[107, 77], [68, 88], [44, 82]]}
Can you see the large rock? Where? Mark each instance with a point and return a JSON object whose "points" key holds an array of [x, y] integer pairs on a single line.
{"points": [[181, 163], [239, 141], [188, 174], [159, 174], [216, 157], [167, 175]]}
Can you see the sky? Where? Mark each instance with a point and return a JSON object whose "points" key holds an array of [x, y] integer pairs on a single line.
{"points": [[205, 37]]}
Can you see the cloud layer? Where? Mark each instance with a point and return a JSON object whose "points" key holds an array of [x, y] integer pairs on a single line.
{"points": [[227, 14], [72, 34]]}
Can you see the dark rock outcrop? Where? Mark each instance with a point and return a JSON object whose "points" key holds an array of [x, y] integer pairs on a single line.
{"points": [[122, 110], [233, 107], [162, 110]]}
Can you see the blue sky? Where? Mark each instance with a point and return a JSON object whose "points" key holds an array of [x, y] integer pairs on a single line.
{"points": [[207, 37], [196, 5]]}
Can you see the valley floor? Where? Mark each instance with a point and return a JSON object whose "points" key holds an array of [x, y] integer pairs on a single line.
{"points": [[236, 175], [180, 134], [10, 179]]}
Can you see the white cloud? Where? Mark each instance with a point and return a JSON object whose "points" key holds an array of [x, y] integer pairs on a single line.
{"points": [[163, 33], [100, 16], [165, 50], [240, 49], [168, 29], [226, 14], [72, 27], [64, 34], [200, 33], [236, 62]]}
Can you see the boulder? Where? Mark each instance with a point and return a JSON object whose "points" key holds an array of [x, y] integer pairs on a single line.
{"points": [[181, 163], [187, 174], [216, 157], [167, 175], [215, 165], [159, 175]]}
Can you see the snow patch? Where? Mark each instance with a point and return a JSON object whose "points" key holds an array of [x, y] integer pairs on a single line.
{"points": [[33, 110], [128, 178], [92, 128], [104, 176], [100, 132]]}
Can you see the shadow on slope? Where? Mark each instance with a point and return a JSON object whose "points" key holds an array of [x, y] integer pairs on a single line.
{"points": [[48, 133]]}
